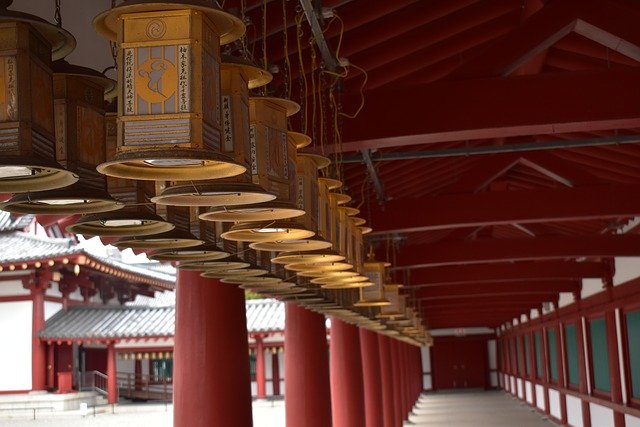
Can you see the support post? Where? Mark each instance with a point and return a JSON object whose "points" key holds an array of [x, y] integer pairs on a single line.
{"points": [[275, 373], [397, 388], [51, 363], [212, 386], [112, 383], [388, 405], [371, 377], [38, 284], [260, 369], [347, 390], [307, 390]]}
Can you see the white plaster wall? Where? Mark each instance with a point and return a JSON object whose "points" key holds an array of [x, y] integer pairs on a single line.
{"points": [[528, 388], [493, 379], [268, 372], [533, 314], [54, 291], [12, 288], [590, 287], [554, 404], [281, 364], [126, 366], [627, 268], [425, 355], [76, 296], [540, 397], [513, 388], [601, 416], [566, 298], [631, 421], [492, 350], [51, 308], [574, 411], [15, 361], [520, 389]]}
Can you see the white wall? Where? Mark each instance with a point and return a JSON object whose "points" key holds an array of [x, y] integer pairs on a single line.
{"points": [[426, 368], [13, 288], [51, 308], [15, 357], [627, 268]]}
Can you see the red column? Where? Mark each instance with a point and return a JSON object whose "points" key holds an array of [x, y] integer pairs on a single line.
{"points": [[371, 378], [347, 390], [397, 389], [38, 285], [388, 405], [137, 374], [212, 386], [614, 366], [260, 370], [307, 392], [51, 363], [112, 384], [275, 373]]}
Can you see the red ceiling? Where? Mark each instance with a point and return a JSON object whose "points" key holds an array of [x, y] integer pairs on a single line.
{"points": [[479, 238]]}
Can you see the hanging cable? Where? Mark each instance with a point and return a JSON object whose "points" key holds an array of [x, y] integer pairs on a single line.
{"points": [[303, 95], [264, 34], [285, 37], [57, 16]]}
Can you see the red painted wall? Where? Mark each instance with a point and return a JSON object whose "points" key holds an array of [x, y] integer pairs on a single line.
{"points": [[95, 359], [460, 362]]}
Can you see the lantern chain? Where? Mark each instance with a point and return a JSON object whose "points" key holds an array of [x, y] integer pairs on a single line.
{"points": [[57, 15]]}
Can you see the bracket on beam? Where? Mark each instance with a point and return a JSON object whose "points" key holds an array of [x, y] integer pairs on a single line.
{"points": [[328, 57]]}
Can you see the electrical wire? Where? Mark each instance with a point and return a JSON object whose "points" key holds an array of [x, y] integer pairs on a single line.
{"points": [[300, 33], [264, 34]]}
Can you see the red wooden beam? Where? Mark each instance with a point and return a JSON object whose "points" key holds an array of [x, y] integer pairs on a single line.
{"points": [[499, 288], [521, 105], [539, 248], [513, 207], [495, 273]]}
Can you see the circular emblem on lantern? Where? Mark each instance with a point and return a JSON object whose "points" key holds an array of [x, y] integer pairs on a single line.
{"points": [[156, 80], [156, 29]]}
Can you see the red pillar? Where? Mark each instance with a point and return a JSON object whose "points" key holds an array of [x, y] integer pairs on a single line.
{"points": [[51, 363], [112, 384], [275, 373], [212, 386], [371, 378], [397, 389], [38, 286], [137, 374], [307, 392], [347, 390], [614, 367], [260, 370], [388, 405]]}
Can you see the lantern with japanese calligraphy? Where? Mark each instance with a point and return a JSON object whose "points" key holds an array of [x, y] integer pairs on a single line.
{"points": [[237, 77], [27, 161], [307, 166], [273, 162], [373, 296], [138, 217], [80, 145], [169, 103]]}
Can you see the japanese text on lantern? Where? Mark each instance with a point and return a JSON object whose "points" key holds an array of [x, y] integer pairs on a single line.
{"points": [[129, 85], [184, 101], [254, 152], [227, 124], [11, 101]]}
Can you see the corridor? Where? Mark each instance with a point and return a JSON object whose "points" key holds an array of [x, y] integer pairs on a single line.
{"points": [[474, 409]]}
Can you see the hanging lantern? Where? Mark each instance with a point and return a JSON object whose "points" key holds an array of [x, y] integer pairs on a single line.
{"points": [[325, 186], [273, 162], [27, 161], [267, 231], [397, 302], [373, 296], [230, 263], [138, 217], [322, 256], [80, 145], [169, 105], [237, 77], [307, 166], [180, 237]]}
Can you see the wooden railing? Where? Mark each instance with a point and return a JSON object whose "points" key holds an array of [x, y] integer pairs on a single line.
{"points": [[95, 381], [145, 387]]}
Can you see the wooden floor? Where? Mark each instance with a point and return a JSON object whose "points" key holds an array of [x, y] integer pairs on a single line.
{"points": [[474, 408]]}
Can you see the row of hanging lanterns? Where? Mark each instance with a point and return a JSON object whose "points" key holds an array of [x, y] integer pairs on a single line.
{"points": [[192, 167]]}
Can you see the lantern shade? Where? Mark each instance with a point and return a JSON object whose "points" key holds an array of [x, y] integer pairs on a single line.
{"points": [[167, 240], [397, 302], [213, 194], [322, 256], [339, 280], [169, 105], [266, 232], [252, 280], [373, 296], [80, 145], [346, 285], [325, 266], [192, 253], [27, 161], [234, 273], [225, 264], [314, 243], [268, 211]]}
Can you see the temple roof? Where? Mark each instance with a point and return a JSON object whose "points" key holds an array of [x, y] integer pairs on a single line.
{"points": [[18, 247], [128, 322]]}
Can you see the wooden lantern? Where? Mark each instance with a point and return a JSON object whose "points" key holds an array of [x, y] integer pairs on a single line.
{"points": [[80, 145], [138, 217], [170, 115], [237, 77], [273, 164], [27, 160], [397, 305], [373, 296]]}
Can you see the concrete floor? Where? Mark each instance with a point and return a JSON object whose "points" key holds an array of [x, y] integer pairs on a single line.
{"points": [[474, 408]]}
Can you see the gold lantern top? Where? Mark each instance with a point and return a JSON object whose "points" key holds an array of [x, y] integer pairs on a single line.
{"points": [[373, 296], [169, 105]]}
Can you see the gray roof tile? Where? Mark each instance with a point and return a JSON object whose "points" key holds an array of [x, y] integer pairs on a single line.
{"points": [[103, 322]]}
